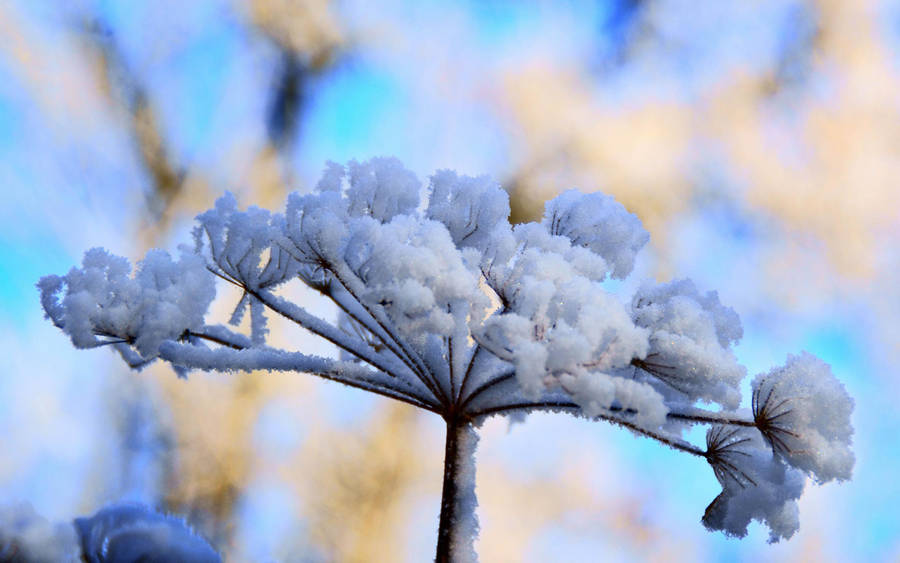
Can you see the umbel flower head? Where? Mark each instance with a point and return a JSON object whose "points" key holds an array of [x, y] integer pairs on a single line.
{"points": [[443, 304]]}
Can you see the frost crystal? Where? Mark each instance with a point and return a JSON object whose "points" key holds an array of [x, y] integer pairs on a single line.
{"points": [[600, 223], [444, 305], [804, 413], [690, 342], [756, 485], [103, 305]]}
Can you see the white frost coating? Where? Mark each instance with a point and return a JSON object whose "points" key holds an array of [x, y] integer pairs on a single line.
{"points": [[314, 234], [102, 303], [222, 333], [462, 542], [243, 246], [446, 306], [570, 332], [756, 485], [133, 532], [530, 361], [198, 357], [690, 342], [804, 413], [600, 223], [537, 246], [316, 325], [412, 269], [258, 328], [597, 392], [381, 188], [469, 207]]}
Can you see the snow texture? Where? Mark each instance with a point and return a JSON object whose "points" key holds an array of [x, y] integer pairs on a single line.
{"points": [[756, 485], [804, 414], [447, 306], [600, 223], [103, 304], [466, 529], [690, 342]]}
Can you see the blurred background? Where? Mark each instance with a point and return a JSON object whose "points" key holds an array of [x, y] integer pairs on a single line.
{"points": [[758, 141]]}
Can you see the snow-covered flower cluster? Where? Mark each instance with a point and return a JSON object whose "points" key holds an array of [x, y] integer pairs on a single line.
{"points": [[803, 412], [103, 304], [445, 305]]}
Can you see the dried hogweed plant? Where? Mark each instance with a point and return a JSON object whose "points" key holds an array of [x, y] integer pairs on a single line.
{"points": [[446, 306]]}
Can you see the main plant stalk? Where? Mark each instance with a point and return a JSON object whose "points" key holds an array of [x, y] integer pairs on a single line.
{"points": [[458, 525]]}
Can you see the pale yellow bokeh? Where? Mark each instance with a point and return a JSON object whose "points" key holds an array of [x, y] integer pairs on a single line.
{"points": [[825, 163]]}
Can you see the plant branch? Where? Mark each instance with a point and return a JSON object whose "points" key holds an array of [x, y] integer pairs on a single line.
{"points": [[485, 386], [388, 342], [565, 405], [424, 373], [330, 333], [216, 339], [710, 418], [465, 379], [458, 526], [248, 359]]}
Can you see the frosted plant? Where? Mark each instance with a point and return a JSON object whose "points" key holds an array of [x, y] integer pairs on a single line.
{"points": [[446, 306]]}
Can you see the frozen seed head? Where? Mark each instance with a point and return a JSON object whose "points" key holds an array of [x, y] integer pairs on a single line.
{"points": [[803, 412], [756, 485], [724, 454], [598, 222], [691, 338], [103, 303]]}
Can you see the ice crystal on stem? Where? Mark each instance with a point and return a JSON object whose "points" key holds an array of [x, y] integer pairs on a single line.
{"points": [[444, 305]]}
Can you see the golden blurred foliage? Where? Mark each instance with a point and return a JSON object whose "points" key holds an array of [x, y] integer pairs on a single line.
{"points": [[360, 485], [567, 137], [306, 27], [843, 188], [822, 158]]}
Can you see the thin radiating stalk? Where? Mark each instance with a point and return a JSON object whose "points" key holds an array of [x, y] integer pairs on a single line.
{"points": [[424, 372], [565, 405]]}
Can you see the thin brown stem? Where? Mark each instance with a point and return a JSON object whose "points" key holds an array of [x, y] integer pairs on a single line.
{"points": [[423, 372], [210, 338], [711, 419], [465, 379], [484, 387], [385, 340]]}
